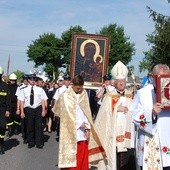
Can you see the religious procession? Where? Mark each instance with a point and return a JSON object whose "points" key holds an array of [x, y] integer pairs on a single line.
{"points": [[100, 122]]}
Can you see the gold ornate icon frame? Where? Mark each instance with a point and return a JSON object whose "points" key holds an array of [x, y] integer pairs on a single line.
{"points": [[90, 58]]}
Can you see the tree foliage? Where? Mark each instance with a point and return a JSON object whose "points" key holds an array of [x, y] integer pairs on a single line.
{"points": [[53, 52], [120, 46], [66, 38], [47, 51], [159, 40], [19, 75]]}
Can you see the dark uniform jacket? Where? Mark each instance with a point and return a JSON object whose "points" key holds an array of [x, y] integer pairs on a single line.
{"points": [[12, 90], [5, 101]]}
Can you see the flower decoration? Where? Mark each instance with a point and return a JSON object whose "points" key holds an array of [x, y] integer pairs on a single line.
{"points": [[142, 120], [166, 150], [157, 148], [142, 117], [158, 161], [147, 142], [146, 160]]}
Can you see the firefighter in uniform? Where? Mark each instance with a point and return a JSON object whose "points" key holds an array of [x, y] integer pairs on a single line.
{"points": [[4, 109], [33, 109], [13, 121], [23, 85]]}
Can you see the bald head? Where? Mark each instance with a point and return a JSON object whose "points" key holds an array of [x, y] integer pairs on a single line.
{"points": [[160, 69]]}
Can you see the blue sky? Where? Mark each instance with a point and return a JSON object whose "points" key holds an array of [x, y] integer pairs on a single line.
{"points": [[21, 22]]}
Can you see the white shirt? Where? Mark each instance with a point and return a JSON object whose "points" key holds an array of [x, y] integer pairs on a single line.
{"points": [[80, 118], [19, 89], [109, 88], [39, 95], [59, 91]]}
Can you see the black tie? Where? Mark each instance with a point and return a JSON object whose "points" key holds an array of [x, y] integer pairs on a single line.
{"points": [[32, 96]]}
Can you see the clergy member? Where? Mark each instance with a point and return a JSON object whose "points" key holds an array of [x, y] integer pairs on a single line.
{"points": [[76, 125], [152, 120], [114, 124]]}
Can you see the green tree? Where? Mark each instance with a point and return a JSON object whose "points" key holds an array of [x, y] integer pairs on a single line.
{"points": [[47, 51], [19, 75], [120, 46], [53, 52], [131, 70], [66, 38], [159, 40]]}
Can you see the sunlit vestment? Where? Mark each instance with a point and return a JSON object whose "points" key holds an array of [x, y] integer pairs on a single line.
{"points": [[66, 107], [153, 139], [114, 129]]}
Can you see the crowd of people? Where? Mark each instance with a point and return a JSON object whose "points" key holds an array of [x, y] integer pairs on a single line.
{"points": [[26, 108], [109, 128]]}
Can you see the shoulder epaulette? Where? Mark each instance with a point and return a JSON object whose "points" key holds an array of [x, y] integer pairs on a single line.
{"points": [[23, 87]]}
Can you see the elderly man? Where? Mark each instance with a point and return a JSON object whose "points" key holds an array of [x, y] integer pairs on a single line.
{"points": [[114, 125], [152, 121]]}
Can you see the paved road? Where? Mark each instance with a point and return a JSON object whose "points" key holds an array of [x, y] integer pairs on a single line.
{"points": [[19, 157]]}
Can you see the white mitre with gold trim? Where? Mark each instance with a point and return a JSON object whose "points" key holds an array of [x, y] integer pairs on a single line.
{"points": [[119, 71]]}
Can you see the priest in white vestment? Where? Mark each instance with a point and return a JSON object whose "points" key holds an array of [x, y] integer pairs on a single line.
{"points": [[153, 123]]}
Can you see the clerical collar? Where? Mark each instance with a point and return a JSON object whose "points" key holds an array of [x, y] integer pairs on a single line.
{"points": [[121, 93], [78, 92]]}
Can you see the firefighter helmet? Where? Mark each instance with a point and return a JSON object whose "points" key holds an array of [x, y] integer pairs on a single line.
{"points": [[13, 76]]}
